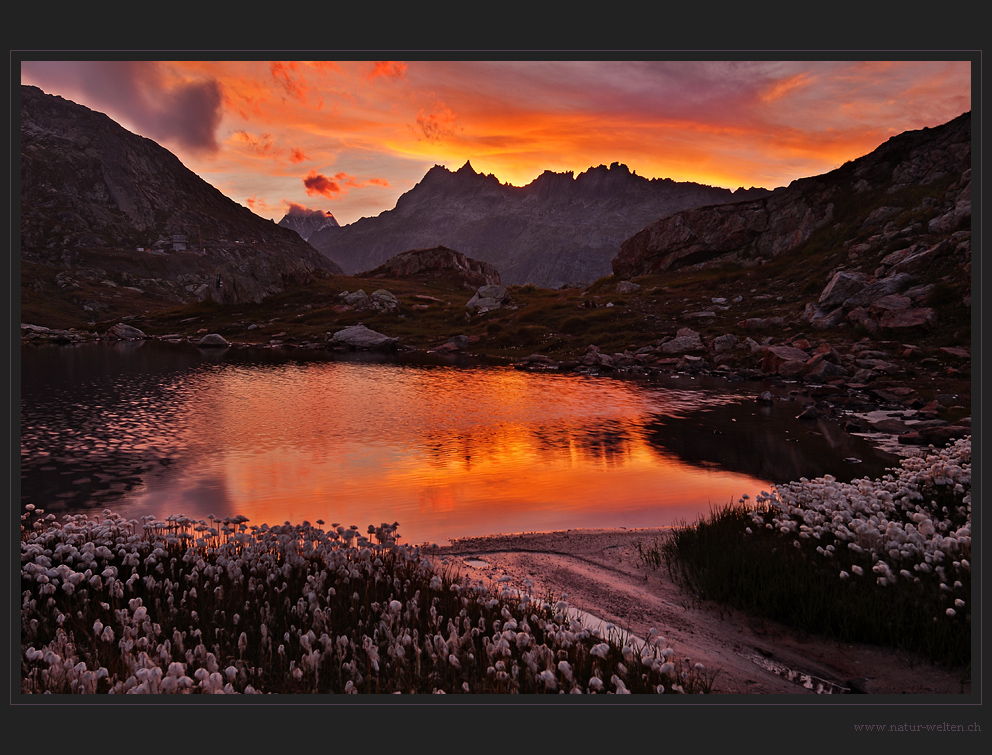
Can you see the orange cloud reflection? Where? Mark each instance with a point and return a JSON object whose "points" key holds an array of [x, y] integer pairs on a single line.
{"points": [[446, 453]]}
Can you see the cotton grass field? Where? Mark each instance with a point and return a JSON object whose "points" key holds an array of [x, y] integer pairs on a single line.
{"points": [[184, 606], [885, 561]]}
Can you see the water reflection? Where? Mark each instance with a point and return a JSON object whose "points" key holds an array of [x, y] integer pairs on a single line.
{"points": [[446, 452]]}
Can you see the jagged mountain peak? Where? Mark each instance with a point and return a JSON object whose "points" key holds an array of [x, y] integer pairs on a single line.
{"points": [[306, 221], [559, 229]]}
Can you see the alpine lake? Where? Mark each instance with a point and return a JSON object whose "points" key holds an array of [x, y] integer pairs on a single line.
{"points": [[445, 448]]}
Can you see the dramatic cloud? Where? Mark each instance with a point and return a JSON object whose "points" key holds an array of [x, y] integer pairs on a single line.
{"points": [[297, 210], [332, 188], [140, 95], [247, 126]]}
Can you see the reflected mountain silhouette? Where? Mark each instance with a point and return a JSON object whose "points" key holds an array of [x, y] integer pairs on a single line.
{"points": [[767, 442]]}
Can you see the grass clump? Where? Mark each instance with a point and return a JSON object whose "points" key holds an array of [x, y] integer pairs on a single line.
{"points": [[184, 606], [884, 561]]}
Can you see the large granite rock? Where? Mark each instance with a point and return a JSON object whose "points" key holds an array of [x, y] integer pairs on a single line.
{"points": [[125, 332], [487, 299], [361, 338], [686, 340], [438, 261]]}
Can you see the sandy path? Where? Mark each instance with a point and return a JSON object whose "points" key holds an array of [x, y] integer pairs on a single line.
{"points": [[601, 573]]}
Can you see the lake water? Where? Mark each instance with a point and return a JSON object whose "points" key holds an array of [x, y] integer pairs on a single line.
{"points": [[148, 428]]}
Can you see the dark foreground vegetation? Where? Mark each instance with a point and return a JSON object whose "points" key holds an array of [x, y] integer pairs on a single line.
{"points": [[884, 562], [180, 606]]}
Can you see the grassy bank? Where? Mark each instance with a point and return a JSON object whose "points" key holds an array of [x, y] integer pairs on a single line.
{"points": [[183, 606], [882, 561]]}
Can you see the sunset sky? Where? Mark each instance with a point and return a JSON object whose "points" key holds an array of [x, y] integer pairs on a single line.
{"points": [[351, 137]]}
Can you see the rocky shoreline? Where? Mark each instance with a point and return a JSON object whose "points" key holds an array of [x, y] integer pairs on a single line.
{"points": [[863, 385]]}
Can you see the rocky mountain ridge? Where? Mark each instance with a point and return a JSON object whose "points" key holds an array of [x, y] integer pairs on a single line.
{"points": [[559, 229], [757, 230], [106, 213]]}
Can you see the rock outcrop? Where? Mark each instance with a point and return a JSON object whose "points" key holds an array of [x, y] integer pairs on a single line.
{"points": [[361, 338], [487, 299], [438, 262]]}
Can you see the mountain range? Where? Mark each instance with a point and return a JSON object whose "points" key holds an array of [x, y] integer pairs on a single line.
{"points": [[557, 230]]}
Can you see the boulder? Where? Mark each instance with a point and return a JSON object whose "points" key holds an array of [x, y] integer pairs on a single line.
{"points": [[889, 303], [726, 342], [861, 317], [776, 356], [819, 368], [918, 317], [892, 284], [361, 338], [125, 332], [488, 298], [384, 301], [213, 340], [843, 285], [356, 299], [627, 287], [685, 340]]}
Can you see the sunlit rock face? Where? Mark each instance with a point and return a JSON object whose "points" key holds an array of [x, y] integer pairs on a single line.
{"points": [[98, 199], [757, 230], [306, 222], [558, 229]]}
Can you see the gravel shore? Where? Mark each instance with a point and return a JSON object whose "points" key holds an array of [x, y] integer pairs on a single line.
{"points": [[601, 574]]}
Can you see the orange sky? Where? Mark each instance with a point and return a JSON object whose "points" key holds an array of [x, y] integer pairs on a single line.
{"points": [[350, 137]]}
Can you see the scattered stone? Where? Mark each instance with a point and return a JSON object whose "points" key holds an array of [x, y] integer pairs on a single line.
{"points": [[125, 332], [893, 426], [213, 340], [627, 287], [685, 340], [922, 317], [776, 356], [537, 363], [488, 298], [956, 351], [359, 337], [843, 285], [724, 343]]}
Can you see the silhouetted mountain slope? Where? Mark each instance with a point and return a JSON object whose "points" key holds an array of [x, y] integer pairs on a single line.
{"points": [[90, 187]]}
